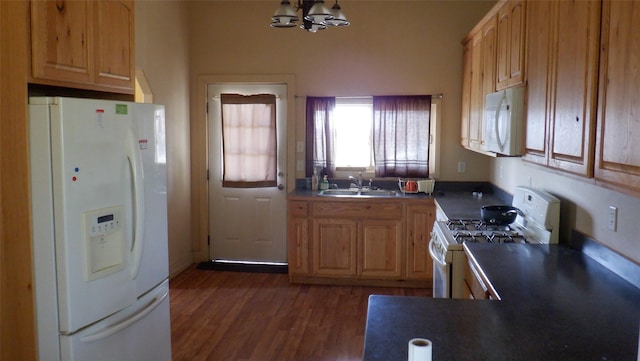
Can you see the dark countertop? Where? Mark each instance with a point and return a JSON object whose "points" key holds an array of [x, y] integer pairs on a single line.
{"points": [[463, 205], [557, 304]]}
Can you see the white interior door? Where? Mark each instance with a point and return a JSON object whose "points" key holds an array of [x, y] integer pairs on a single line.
{"points": [[246, 224]]}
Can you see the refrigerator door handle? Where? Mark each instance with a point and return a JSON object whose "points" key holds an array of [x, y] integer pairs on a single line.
{"points": [[135, 162], [121, 325]]}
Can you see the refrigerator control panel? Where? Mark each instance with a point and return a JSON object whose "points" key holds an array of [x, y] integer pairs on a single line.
{"points": [[104, 242]]}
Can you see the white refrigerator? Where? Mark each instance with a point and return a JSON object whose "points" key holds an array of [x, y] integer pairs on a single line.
{"points": [[99, 209]]}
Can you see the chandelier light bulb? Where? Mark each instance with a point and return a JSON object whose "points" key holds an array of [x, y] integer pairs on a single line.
{"points": [[339, 19]]}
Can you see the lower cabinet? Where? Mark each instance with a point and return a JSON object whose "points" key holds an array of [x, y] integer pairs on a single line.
{"points": [[380, 249], [420, 220], [334, 247], [360, 242], [474, 286], [298, 238]]}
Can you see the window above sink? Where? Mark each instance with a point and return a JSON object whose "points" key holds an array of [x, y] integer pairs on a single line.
{"points": [[352, 125]]}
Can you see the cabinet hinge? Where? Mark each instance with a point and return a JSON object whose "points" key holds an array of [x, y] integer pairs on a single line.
{"points": [[207, 175], [208, 240]]}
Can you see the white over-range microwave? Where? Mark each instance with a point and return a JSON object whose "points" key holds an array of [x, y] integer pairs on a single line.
{"points": [[504, 113]]}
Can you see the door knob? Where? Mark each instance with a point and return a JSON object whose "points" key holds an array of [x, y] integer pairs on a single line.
{"points": [[280, 187]]}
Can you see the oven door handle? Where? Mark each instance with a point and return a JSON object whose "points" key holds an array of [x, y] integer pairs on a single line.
{"points": [[433, 254]]}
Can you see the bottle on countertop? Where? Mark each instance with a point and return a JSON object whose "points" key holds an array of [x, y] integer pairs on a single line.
{"points": [[325, 183], [314, 180]]}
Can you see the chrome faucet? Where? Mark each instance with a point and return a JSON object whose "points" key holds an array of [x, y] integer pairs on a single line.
{"points": [[358, 181]]}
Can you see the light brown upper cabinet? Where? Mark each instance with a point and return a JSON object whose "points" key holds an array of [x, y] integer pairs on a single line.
{"points": [[617, 158], [83, 44], [477, 95], [115, 36], [482, 64], [479, 64], [466, 93], [562, 84], [539, 29], [510, 44]]}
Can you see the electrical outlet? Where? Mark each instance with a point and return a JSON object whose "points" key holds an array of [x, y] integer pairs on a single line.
{"points": [[613, 218], [299, 165], [300, 147], [462, 167]]}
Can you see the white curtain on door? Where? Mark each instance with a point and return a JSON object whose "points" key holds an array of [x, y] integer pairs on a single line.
{"points": [[249, 140]]}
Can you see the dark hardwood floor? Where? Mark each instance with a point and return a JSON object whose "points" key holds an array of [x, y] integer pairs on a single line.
{"points": [[260, 316]]}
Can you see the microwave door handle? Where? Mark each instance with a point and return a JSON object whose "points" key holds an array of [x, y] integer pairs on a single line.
{"points": [[497, 121]]}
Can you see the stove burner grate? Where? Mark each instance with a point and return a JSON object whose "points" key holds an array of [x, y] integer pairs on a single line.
{"points": [[477, 231]]}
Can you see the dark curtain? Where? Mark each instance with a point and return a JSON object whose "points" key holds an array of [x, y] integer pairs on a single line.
{"points": [[401, 135], [320, 152]]}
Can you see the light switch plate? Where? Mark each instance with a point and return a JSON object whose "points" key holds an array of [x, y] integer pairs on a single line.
{"points": [[613, 218]]}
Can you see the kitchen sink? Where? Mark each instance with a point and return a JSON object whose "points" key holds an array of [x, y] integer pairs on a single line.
{"points": [[340, 192], [353, 192]]}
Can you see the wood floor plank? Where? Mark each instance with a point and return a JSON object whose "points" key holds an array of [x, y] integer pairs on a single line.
{"points": [[240, 316]]}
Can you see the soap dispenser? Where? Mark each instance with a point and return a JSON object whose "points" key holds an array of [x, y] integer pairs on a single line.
{"points": [[325, 183], [314, 180]]}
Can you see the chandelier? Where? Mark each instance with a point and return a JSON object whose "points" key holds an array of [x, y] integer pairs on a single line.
{"points": [[315, 15]]}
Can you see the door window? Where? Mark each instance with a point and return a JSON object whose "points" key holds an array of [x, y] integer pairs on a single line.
{"points": [[249, 141]]}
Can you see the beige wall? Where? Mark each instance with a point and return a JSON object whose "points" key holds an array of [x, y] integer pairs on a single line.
{"points": [[399, 47], [162, 52], [584, 204]]}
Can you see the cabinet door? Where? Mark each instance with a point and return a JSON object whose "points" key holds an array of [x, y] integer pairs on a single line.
{"points": [[419, 225], [539, 26], [474, 286], [511, 44], [380, 249], [489, 41], [61, 39], [488, 65], [574, 86], [618, 149], [298, 246], [298, 238], [466, 94], [334, 247], [517, 41], [502, 70], [477, 95], [115, 43]]}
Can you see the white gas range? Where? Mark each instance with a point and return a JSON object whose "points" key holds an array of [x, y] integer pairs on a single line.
{"points": [[537, 223]]}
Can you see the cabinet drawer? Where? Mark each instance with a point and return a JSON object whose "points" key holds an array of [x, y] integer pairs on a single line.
{"points": [[298, 209], [368, 210], [475, 284]]}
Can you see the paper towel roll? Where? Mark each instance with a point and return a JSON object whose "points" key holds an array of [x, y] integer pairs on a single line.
{"points": [[420, 349]]}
